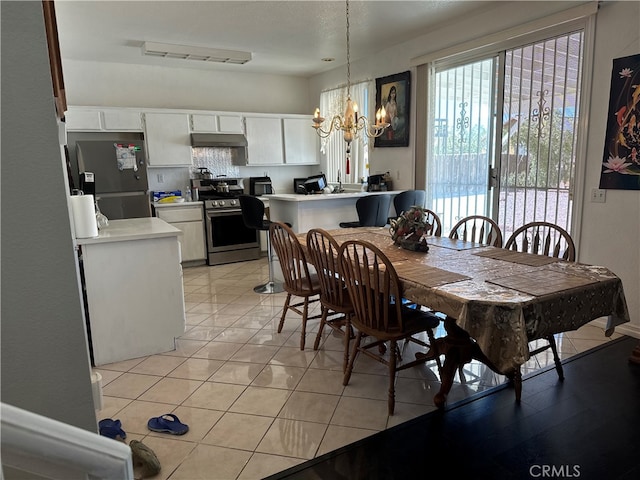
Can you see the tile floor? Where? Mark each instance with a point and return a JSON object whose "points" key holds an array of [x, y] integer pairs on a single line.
{"points": [[255, 403]]}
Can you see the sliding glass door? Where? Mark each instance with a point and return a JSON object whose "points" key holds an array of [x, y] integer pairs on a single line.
{"points": [[461, 141], [503, 135]]}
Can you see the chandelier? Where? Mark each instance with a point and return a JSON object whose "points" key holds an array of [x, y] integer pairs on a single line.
{"points": [[350, 123]]}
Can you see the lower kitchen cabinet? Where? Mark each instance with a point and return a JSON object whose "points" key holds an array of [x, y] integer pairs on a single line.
{"points": [[134, 294], [187, 217]]}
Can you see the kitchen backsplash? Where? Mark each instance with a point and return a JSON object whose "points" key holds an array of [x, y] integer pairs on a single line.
{"points": [[219, 163], [217, 160]]}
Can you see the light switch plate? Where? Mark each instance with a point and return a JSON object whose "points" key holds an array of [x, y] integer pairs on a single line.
{"points": [[598, 195]]}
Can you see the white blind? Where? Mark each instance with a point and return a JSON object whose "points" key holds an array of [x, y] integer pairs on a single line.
{"points": [[333, 102]]}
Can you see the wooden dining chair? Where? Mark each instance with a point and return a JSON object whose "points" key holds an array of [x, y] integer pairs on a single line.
{"points": [[542, 238], [298, 281], [435, 223], [337, 309], [374, 287], [479, 229]]}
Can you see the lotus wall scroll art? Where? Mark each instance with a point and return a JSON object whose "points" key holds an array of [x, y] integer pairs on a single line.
{"points": [[621, 162]]}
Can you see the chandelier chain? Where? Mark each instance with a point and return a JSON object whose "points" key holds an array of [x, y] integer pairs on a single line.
{"points": [[351, 124], [348, 56]]}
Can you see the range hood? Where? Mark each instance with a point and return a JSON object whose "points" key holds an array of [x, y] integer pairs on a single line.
{"points": [[218, 140]]}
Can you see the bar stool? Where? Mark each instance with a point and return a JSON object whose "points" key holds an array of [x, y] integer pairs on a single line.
{"points": [[253, 217], [373, 211]]}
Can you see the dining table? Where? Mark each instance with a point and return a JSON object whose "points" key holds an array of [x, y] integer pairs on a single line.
{"points": [[495, 301]]}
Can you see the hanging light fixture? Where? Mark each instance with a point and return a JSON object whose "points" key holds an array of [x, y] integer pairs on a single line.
{"points": [[350, 124]]}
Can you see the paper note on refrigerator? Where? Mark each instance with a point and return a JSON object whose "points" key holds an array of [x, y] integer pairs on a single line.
{"points": [[126, 156]]}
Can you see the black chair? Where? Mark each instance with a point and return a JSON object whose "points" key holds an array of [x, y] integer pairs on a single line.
{"points": [[373, 211], [403, 201], [253, 217]]}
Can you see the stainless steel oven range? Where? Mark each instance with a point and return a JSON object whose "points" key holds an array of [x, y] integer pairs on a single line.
{"points": [[228, 239]]}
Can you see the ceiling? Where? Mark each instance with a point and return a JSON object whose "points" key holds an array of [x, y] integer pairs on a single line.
{"points": [[284, 37]]}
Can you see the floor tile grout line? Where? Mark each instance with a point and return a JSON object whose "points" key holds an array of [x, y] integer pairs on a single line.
{"points": [[287, 345]]}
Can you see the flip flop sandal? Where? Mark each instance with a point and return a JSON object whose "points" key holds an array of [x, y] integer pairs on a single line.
{"points": [[167, 423], [112, 429], [145, 462]]}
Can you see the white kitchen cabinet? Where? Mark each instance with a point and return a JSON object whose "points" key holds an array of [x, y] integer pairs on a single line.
{"points": [[204, 123], [301, 142], [135, 296], [167, 139], [103, 119], [122, 120], [215, 123], [82, 120], [264, 141], [190, 220], [230, 124]]}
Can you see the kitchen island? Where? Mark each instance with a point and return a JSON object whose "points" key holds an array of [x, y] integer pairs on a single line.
{"points": [[326, 211], [133, 283]]}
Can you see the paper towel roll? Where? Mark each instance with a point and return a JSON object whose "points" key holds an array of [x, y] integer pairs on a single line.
{"points": [[84, 216], [96, 390]]}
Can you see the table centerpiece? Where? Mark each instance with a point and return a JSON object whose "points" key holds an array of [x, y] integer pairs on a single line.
{"points": [[409, 230]]}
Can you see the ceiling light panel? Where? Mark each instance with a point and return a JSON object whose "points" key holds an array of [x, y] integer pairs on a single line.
{"points": [[201, 54]]}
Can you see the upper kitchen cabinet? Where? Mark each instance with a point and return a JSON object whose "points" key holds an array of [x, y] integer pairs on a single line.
{"points": [[167, 138], [122, 120], [230, 124], [301, 142], [216, 123], [88, 119], [77, 119], [264, 141]]}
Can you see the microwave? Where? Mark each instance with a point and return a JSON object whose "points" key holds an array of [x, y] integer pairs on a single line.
{"points": [[260, 186], [315, 183]]}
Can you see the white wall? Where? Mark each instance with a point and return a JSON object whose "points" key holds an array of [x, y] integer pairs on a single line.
{"points": [[126, 85], [45, 362], [610, 230]]}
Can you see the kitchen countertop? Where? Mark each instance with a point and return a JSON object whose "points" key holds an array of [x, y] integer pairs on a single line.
{"points": [[325, 211], [176, 204], [296, 197], [132, 229]]}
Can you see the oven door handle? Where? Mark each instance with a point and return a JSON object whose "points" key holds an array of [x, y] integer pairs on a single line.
{"points": [[223, 213]]}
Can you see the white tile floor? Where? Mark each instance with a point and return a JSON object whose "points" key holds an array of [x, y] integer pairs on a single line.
{"points": [[255, 403]]}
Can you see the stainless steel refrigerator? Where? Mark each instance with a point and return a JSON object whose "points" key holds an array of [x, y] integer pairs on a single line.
{"points": [[120, 176]]}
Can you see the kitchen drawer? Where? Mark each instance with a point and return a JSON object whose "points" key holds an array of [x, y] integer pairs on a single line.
{"points": [[184, 214]]}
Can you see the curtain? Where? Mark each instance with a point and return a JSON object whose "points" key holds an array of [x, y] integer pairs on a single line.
{"points": [[333, 102]]}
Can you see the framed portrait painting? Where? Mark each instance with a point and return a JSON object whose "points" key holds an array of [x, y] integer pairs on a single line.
{"points": [[393, 93]]}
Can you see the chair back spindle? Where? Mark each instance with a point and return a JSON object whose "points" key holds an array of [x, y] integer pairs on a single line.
{"points": [[295, 268], [373, 286], [479, 229], [323, 253], [543, 238]]}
